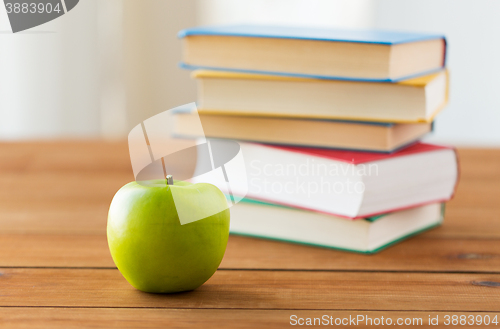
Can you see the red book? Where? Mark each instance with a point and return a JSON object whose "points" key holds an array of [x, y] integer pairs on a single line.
{"points": [[356, 157], [348, 183]]}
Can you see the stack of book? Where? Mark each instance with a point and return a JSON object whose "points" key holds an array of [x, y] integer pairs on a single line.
{"points": [[329, 123]]}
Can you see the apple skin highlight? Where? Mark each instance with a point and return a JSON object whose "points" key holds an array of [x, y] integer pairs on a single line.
{"points": [[150, 247]]}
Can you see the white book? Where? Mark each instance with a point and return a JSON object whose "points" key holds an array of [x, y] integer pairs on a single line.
{"points": [[367, 235]]}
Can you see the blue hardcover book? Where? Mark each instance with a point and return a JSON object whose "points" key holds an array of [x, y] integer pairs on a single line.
{"points": [[368, 55]]}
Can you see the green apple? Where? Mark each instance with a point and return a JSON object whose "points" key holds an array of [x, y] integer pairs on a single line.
{"points": [[153, 250]]}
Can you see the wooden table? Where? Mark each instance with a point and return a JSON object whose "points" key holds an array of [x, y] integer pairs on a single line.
{"points": [[56, 271]]}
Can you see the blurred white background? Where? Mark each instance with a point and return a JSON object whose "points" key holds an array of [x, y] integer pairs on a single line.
{"points": [[107, 65]]}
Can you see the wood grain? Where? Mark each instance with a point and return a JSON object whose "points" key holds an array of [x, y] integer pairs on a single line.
{"points": [[259, 290], [417, 254], [67, 318]]}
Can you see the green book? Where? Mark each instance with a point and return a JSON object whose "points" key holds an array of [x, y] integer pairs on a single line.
{"points": [[365, 235]]}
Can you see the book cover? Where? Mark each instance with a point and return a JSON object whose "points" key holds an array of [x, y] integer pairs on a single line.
{"points": [[422, 82], [311, 33], [376, 37], [288, 224], [304, 178], [321, 133], [356, 157]]}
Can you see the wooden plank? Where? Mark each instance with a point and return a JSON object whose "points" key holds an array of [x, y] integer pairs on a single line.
{"points": [[316, 290], [48, 250], [468, 222], [81, 156], [61, 187], [54, 217], [99, 156], [66, 203], [66, 187], [87, 217], [46, 317], [477, 163], [417, 254]]}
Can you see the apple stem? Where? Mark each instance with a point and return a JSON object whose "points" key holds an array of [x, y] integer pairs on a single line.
{"points": [[170, 180]]}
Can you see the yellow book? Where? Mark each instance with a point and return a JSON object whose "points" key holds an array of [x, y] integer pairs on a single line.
{"points": [[408, 101]]}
